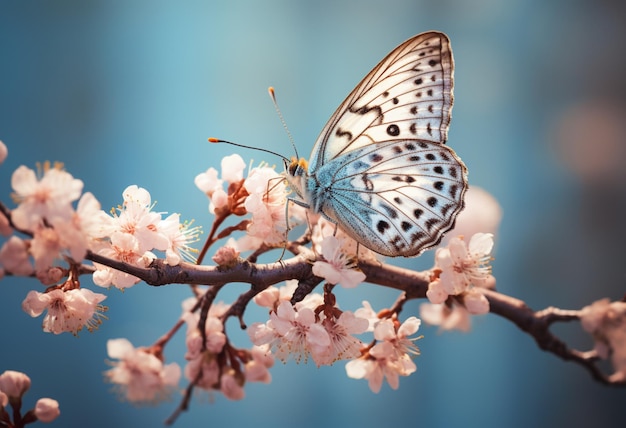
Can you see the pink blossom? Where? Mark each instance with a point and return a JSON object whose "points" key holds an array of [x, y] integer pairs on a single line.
{"points": [[463, 265], [271, 296], [322, 228], [14, 257], [124, 247], [343, 345], [226, 256], [95, 223], [456, 317], [47, 410], [137, 219], [3, 152], [179, 236], [390, 357], [368, 313], [13, 383], [231, 385], [48, 198], [386, 330], [69, 310], [266, 202], [139, 375], [476, 302], [204, 372], [291, 332], [606, 322], [212, 186], [381, 364], [256, 369], [208, 181], [337, 268], [436, 293], [215, 338], [45, 247], [232, 168]]}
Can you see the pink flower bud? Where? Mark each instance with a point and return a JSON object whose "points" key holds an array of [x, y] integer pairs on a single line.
{"points": [[47, 409], [14, 384]]}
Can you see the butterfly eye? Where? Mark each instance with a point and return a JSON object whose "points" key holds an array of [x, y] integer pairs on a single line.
{"points": [[293, 166]]}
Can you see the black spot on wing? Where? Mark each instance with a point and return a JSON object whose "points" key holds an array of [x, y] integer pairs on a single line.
{"points": [[341, 133], [382, 226]]}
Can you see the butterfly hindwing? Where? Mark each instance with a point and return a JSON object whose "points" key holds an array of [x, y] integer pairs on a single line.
{"points": [[395, 197]]}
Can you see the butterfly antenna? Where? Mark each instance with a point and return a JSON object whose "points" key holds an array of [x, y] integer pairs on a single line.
{"points": [[272, 93], [217, 140]]}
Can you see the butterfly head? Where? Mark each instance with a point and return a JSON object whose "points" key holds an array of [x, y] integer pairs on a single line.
{"points": [[296, 170], [297, 167]]}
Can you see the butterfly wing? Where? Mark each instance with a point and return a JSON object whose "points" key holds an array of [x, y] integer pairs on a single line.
{"points": [[408, 95], [396, 197]]}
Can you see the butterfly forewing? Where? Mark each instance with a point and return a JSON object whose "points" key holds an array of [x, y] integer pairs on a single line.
{"points": [[407, 95]]}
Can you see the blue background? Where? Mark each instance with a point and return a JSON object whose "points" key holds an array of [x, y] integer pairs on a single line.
{"points": [[127, 93]]}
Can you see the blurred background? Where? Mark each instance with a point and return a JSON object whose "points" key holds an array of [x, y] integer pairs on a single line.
{"points": [[128, 92]]}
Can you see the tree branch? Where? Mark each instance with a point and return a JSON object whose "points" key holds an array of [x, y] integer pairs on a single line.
{"points": [[413, 284]]}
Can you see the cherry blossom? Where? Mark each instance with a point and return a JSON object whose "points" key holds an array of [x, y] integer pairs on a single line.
{"points": [[49, 198], [606, 321], [4, 152], [139, 375], [180, 236], [124, 247], [137, 218], [322, 228], [368, 313], [266, 202], [463, 264], [336, 267], [256, 369], [209, 183], [343, 345], [231, 385], [68, 311], [232, 168], [455, 317], [271, 296], [226, 256], [46, 410], [390, 357], [14, 384], [291, 333], [14, 257]]}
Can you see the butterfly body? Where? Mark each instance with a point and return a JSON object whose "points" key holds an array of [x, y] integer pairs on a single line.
{"points": [[380, 169]]}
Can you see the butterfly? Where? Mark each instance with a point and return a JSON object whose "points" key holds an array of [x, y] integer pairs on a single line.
{"points": [[380, 169]]}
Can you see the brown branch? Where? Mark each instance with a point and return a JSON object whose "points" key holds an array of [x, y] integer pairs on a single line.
{"points": [[413, 285]]}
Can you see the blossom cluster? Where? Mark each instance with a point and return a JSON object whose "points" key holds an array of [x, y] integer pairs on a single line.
{"points": [[316, 328], [460, 269], [140, 375], [262, 194], [213, 364], [606, 322], [13, 386], [55, 224]]}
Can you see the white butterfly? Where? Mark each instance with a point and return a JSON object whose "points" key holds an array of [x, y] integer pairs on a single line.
{"points": [[380, 169]]}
